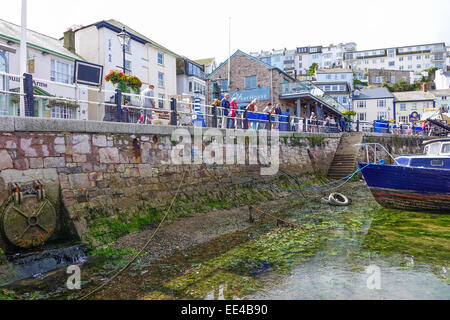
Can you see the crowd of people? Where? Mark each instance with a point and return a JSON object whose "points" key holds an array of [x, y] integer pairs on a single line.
{"points": [[231, 117]]}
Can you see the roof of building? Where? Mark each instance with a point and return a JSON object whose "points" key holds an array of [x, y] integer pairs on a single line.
{"points": [[36, 40], [205, 62], [335, 70], [116, 26], [376, 93], [413, 96], [441, 93]]}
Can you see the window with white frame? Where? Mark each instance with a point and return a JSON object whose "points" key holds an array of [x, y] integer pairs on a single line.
{"points": [[402, 106], [63, 112], [161, 79], [381, 103], [378, 79], [127, 66], [344, 100], [404, 119], [414, 106], [161, 101], [361, 104], [381, 115], [61, 72], [392, 79], [362, 116], [160, 58]]}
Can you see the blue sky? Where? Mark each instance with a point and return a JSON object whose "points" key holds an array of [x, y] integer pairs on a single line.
{"points": [[199, 28]]}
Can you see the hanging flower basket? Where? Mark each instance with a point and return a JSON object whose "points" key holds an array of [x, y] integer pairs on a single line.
{"points": [[62, 103], [124, 82]]}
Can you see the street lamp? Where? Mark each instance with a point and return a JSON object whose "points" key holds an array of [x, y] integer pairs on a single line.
{"points": [[124, 39]]}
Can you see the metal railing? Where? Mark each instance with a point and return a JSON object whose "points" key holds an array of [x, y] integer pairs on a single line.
{"points": [[181, 112], [373, 148]]}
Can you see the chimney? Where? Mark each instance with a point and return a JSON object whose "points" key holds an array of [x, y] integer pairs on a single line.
{"points": [[69, 40]]}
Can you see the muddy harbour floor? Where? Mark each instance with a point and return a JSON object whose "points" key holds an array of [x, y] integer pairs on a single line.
{"points": [[221, 255]]}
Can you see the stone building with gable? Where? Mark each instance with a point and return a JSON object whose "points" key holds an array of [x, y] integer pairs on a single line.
{"points": [[252, 78]]}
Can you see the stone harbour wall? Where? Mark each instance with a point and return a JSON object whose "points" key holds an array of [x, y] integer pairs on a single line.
{"points": [[110, 178]]}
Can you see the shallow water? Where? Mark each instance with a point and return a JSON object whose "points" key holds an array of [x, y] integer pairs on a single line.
{"points": [[408, 256]]}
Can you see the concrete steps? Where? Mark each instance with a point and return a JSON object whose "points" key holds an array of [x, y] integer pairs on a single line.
{"points": [[344, 162]]}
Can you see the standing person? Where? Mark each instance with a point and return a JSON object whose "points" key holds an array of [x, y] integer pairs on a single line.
{"points": [[252, 108], [233, 113], [327, 124], [278, 113], [225, 108], [313, 121], [333, 124], [214, 108], [343, 124], [148, 103], [267, 110], [127, 111]]}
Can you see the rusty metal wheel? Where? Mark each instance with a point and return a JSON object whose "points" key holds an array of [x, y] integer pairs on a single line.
{"points": [[29, 223]]}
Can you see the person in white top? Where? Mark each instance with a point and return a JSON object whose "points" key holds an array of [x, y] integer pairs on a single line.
{"points": [[148, 102]]}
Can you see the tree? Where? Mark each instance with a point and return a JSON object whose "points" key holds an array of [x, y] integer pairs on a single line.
{"points": [[402, 85], [312, 69]]}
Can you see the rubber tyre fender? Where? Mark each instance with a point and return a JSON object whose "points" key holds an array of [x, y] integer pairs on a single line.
{"points": [[338, 199]]}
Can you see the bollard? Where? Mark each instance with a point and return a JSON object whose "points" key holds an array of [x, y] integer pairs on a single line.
{"points": [[304, 124], [29, 98], [118, 103], [246, 120], [173, 114], [214, 114]]}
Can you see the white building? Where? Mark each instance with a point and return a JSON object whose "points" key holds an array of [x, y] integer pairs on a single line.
{"points": [[411, 58], [373, 104], [302, 62], [47, 60], [333, 55], [338, 83], [149, 61], [442, 80]]}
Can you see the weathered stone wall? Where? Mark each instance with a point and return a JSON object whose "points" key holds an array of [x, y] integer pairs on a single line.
{"points": [[103, 172]]}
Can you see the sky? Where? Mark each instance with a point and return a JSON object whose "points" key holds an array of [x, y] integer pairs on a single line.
{"points": [[200, 28]]}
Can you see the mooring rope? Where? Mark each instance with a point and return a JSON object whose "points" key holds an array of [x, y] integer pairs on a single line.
{"points": [[141, 251], [347, 179]]}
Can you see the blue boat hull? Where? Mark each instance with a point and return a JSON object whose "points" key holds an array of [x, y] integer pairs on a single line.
{"points": [[409, 188]]}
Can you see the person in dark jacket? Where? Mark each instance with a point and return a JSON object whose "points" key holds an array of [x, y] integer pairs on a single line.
{"points": [[343, 124]]}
